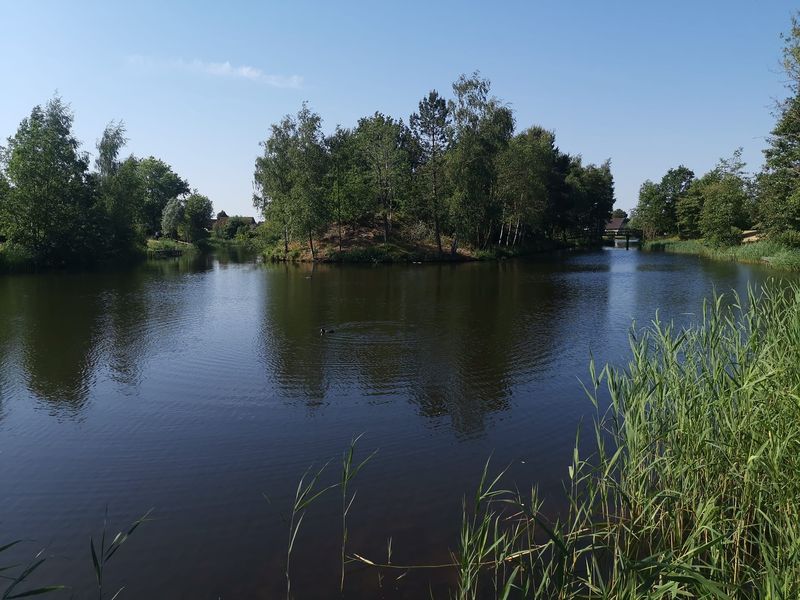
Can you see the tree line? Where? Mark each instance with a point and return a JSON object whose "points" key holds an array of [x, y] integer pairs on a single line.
{"points": [[457, 168], [56, 210], [722, 203]]}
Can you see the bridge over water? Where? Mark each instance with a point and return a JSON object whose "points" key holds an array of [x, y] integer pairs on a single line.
{"points": [[625, 235]]}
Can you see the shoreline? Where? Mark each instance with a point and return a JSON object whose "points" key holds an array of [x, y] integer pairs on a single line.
{"points": [[764, 252], [401, 252], [382, 253]]}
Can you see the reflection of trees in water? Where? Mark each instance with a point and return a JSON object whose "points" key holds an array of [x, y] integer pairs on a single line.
{"points": [[69, 326], [453, 339], [9, 311], [494, 328], [234, 254], [127, 313], [292, 348], [191, 262], [60, 331]]}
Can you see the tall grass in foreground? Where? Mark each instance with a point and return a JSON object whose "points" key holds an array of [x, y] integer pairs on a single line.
{"points": [[103, 551], [693, 485], [16, 577]]}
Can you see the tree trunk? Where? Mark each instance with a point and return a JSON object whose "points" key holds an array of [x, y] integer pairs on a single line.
{"points": [[500, 239], [437, 231], [311, 245], [454, 245], [385, 228], [339, 207], [436, 211]]}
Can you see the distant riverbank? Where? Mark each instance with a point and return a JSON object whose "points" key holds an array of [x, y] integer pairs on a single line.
{"points": [[764, 252], [14, 259], [366, 245]]}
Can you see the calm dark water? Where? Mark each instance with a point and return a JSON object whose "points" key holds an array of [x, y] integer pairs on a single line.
{"points": [[196, 387]]}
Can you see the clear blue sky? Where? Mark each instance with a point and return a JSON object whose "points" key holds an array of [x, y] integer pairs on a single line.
{"points": [[647, 84]]}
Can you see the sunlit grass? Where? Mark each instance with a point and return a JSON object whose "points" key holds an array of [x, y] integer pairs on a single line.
{"points": [[768, 252]]}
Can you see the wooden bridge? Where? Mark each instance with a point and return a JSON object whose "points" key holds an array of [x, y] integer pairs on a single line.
{"points": [[625, 233]]}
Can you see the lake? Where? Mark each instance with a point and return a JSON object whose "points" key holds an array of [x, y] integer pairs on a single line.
{"points": [[202, 388]]}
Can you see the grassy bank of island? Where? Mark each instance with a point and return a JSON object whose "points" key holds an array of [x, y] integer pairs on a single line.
{"points": [[408, 243]]}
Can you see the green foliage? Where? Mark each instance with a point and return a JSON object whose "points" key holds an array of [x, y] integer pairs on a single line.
{"points": [[309, 168], [483, 127], [15, 258], [378, 253], [789, 238], [524, 169], [458, 169], [431, 128], [723, 213], [160, 184], [108, 148], [5, 191], [55, 212], [273, 177], [770, 251], [619, 214], [188, 218], [348, 185], [779, 183], [197, 215], [49, 206], [665, 208], [688, 212], [650, 215], [229, 228], [716, 207], [172, 217], [379, 140], [674, 187], [291, 177], [120, 193]]}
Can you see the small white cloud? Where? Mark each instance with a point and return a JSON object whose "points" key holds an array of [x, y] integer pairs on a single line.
{"points": [[218, 69]]}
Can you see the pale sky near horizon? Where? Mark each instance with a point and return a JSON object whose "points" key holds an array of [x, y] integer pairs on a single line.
{"points": [[648, 85]]}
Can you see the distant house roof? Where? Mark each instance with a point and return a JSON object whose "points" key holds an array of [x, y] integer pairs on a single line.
{"points": [[616, 223]]}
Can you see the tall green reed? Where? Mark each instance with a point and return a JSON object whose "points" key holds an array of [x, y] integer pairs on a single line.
{"points": [[691, 487], [306, 493], [16, 576], [103, 552], [350, 470]]}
